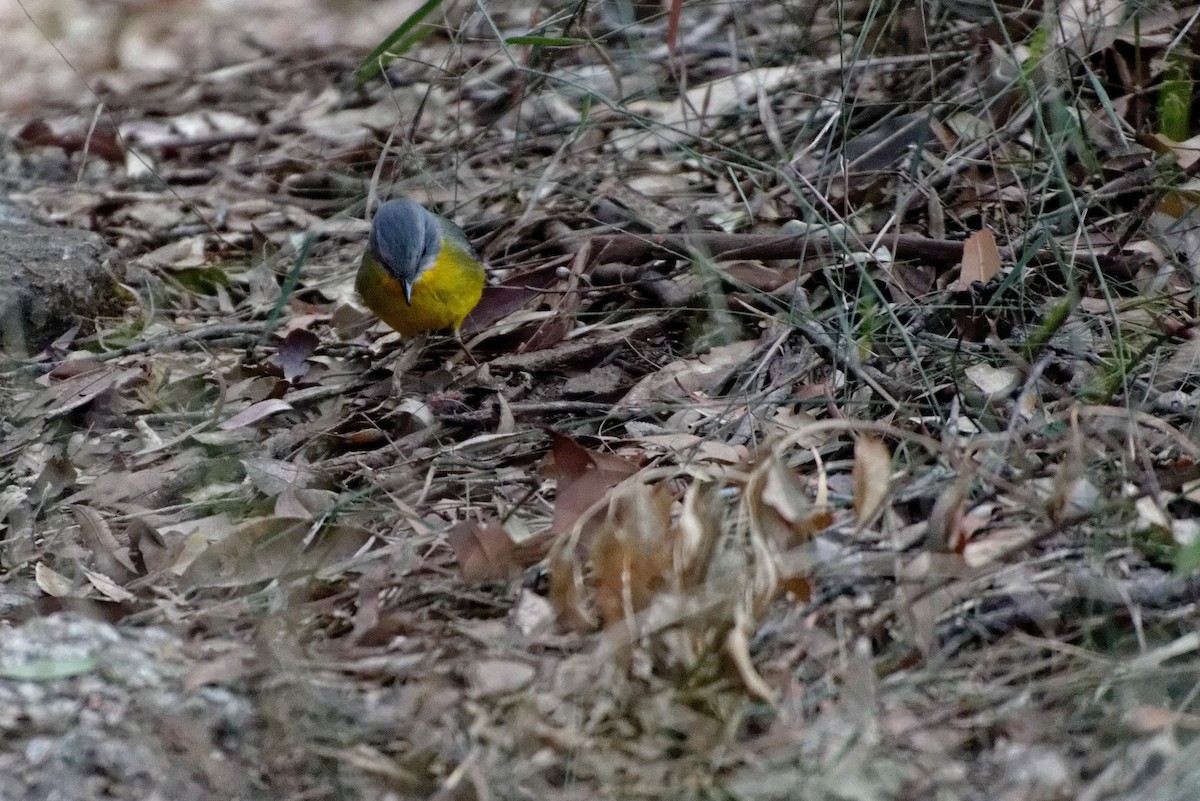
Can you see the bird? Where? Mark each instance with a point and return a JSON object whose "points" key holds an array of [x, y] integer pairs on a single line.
{"points": [[419, 272]]}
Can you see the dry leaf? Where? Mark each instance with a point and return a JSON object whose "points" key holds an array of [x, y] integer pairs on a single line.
{"points": [[270, 548], [944, 531], [778, 506], [677, 591], [108, 554], [980, 262], [695, 535], [53, 583], [1069, 481], [492, 677], [737, 649], [293, 352], [81, 383], [189, 551], [687, 377], [996, 544], [583, 478], [273, 476], [255, 412], [147, 549], [994, 381], [567, 593], [872, 476], [628, 555], [108, 588], [224, 670], [483, 548]]}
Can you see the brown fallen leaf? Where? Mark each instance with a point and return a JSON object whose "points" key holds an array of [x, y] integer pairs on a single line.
{"points": [[55, 584], [255, 412], [492, 677], [76, 384], [944, 529], [628, 557], [686, 377], [872, 475], [980, 262], [270, 548], [108, 555], [483, 548], [679, 585], [583, 478], [778, 505]]}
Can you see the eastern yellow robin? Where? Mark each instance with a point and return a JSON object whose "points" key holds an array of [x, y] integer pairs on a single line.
{"points": [[419, 272]]}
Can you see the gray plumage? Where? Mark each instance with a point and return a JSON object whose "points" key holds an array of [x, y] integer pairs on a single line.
{"points": [[406, 238]]}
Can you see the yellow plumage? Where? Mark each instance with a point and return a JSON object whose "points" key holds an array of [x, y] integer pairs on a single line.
{"points": [[419, 272]]}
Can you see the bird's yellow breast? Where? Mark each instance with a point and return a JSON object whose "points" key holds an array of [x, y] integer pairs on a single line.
{"points": [[442, 296]]}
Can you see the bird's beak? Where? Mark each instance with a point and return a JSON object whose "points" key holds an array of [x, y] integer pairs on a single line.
{"points": [[408, 288]]}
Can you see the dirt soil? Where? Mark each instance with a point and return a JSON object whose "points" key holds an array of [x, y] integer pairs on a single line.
{"points": [[827, 429]]}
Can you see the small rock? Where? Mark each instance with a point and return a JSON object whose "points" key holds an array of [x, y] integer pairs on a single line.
{"points": [[492, 677], [52, 279]]}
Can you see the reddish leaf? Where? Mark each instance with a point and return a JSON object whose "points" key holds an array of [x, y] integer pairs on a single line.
{"points": [[584, 477], [500, 301], [483, 548]]}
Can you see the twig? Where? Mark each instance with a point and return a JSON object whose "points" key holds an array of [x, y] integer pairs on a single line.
{"points": [[543, 408], [246, 333], [641, 248]]}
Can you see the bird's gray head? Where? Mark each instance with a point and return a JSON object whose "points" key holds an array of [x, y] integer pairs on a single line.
{"points": [[406, 239]]}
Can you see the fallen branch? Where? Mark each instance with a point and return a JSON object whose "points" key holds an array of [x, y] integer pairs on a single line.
{"points": [[641, 248]]}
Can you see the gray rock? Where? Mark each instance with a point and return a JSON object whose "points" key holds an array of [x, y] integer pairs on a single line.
{"points": [[89, 712], [50, 280]]}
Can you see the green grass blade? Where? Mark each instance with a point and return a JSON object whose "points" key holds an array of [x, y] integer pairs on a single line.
{"points": [[1175, 100], [396, 43], [544, 41]]}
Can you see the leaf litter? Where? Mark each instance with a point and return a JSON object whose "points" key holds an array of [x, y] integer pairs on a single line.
{"points": [[826, 431]]}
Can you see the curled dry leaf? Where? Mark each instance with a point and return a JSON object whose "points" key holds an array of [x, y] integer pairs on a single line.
{"points": [[682, 580], [108, 588], [872, 475], [696, 534], [483, 548], [945, 530], [628, 558], [737, 649], [1070, 493], [997, 544], [53, 583], [778, 505], [621, 548]]}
